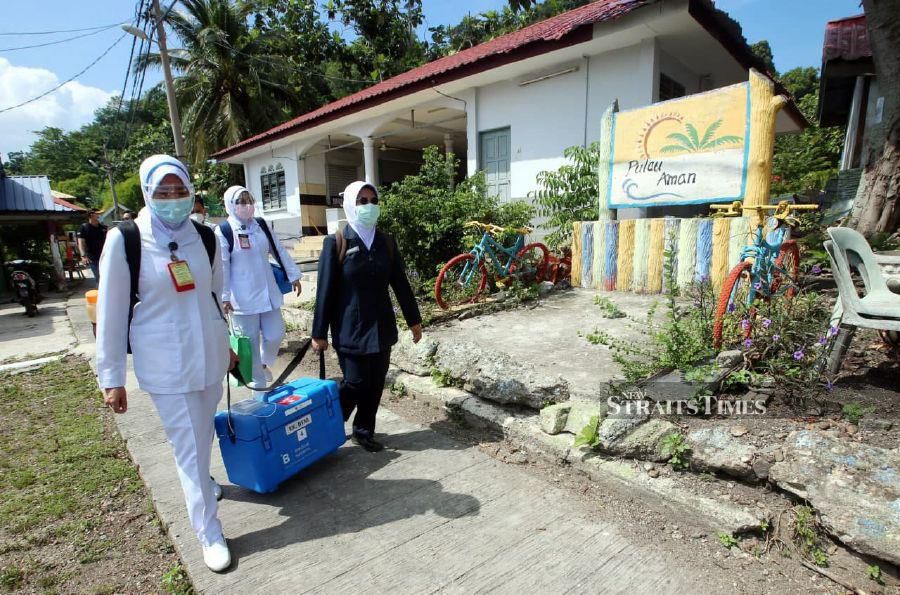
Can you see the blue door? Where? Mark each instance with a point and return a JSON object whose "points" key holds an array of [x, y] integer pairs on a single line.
{"points": [[495, 150]]}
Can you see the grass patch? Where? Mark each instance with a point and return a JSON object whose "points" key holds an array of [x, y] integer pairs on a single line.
{"points": [[65, 479]]}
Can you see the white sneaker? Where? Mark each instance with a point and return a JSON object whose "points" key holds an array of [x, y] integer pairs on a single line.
{"points": [[217, 556], [217, 489]]}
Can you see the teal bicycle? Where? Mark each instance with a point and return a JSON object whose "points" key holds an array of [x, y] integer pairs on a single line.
{"points": [[463, 279], [770, 266]]}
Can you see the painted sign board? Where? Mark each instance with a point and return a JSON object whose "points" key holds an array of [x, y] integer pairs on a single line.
{"points": [[690, 150]]}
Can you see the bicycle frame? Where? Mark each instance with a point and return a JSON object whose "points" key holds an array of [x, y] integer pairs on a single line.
{"points": [[491, 247], [764, 252]]}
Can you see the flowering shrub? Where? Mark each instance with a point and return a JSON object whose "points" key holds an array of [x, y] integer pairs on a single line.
{"points": [[784, 338]]}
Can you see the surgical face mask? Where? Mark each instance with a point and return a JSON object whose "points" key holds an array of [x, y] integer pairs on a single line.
{"points": [[173, 211], [198, 217], [244, 212], [368, 214]]}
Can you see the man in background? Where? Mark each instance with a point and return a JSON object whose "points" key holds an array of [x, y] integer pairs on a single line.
{"points": [[91, 237]]}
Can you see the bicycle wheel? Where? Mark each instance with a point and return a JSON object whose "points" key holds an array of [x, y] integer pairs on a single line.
{"points": [[787, 264], [737, 289], [461, 281], [531, 262]]}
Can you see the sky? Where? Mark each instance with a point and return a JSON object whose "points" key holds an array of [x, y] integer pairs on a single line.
{"points": [[794, 28]]}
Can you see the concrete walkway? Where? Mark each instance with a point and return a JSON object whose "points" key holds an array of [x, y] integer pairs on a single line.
{"points": [[426, 515], [24, 338]]}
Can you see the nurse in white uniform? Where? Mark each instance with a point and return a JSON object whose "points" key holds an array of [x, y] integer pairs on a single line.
{"points": [[178, 336], [251, 292]]}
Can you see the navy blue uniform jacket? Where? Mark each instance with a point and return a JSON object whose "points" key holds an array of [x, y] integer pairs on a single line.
{"points": [[353, 299]]}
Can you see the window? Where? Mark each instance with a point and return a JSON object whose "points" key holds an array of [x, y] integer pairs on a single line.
{"points": [[339, 177], [274, 189], [669, 88]]}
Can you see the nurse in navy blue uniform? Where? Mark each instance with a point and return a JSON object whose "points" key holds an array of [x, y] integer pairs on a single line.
{"points": [[353, 302]]}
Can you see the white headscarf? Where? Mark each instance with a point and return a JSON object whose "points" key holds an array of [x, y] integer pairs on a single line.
{"points": [[365, 233], [153, 169], [231, 197]]}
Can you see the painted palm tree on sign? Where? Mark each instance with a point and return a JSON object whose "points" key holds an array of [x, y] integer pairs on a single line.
{"points": [[690, 141], [227, 85]]}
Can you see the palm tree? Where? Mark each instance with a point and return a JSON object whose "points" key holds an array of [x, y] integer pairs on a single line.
{"points": [[228, 86], [692, 143]]}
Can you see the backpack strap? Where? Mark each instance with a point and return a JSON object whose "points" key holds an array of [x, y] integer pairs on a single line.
{"points": [[341, 243], [131, 236], [272, 248], [225, 228], [209, 240]]}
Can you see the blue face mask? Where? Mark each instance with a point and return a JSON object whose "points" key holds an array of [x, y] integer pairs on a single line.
{"points": [[368, 214], [172, 211]]}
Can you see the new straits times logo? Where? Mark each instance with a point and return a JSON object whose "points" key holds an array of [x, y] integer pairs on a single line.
{"points": [[636, 403]]}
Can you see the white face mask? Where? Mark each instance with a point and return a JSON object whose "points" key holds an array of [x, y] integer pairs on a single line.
{"points": [[198, 217]]}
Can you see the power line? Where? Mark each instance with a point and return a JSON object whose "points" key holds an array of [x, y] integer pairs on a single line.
{"points": [[61, 30], [69, 80], [58, 41]]}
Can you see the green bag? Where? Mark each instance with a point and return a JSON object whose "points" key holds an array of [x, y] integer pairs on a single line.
{"points": [[242, 373]]}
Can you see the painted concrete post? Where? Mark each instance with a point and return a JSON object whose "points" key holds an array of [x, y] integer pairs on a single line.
{"points": [[606, 147], [370, 160], [766, 106]]}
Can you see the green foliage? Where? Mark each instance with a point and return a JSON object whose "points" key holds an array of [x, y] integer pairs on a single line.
{"points": [[874, 573], [176, 582], [445, 378], [678, 451], [84, 186], [740, 378], [608, 308], [789, 339], [589, 433], [568, 194], [727, 540], [854, 412], [129, 193], [762, 50], [681, 340], [11, 577], [426, 216], [398, 389], [807, 532]]}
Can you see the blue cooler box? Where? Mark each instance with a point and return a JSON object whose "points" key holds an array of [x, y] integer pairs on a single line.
{"points": [[277, 436]]}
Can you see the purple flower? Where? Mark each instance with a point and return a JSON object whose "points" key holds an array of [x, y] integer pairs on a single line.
{"points": [[776, 337], [767, 323], [732, 307], [823, 340], [832, 331], [745, 324], [816, 270], [757, 286], [829, 386], [748, 343], [798, 355]]}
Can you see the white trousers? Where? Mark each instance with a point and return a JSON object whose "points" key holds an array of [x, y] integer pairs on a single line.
{"points": [[188, 421], [265, 332]]}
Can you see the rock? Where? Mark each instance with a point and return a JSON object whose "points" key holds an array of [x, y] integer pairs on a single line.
{"points": [[580, 415], [779, 455], [545, 288], [648, 466], [467, 314], [617, 427], [852, 429], [644, 442], [738, 431], [554, 417], [855, 488], [825, 425], [874, 424], [715, 449], [495, 376], [415, 358], [654, 473], [761, 468], [727, 359]]}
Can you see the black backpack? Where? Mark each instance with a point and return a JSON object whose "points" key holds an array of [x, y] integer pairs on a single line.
{"points": [[131, 235], [225, 228]]}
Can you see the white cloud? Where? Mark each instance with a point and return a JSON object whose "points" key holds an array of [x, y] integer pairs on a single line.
{"points": [[67, 108]]}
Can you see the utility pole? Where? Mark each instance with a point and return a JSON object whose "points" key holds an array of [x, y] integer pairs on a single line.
{"points": [[112, 183], [170, 87]]}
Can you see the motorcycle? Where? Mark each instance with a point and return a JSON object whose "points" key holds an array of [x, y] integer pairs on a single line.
{"points": [[23, 285]]}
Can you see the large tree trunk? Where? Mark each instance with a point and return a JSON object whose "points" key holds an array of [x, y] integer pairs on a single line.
{"points": [[877, 205]]}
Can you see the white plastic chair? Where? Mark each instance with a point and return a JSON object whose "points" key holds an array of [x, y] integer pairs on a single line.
{"points": [[878, 309]]}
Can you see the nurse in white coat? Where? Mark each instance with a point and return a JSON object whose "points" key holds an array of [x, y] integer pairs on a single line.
{"points": [[178, 336], [251, 292]]}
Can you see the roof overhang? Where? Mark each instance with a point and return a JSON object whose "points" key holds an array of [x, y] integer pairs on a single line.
{"points": [[577, 40]]}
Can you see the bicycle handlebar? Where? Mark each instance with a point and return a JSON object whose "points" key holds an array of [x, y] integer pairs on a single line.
{"points": [[782, 209], [496, 229]]}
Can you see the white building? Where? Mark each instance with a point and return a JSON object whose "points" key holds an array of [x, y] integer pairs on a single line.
{"points": [[509, 106]]}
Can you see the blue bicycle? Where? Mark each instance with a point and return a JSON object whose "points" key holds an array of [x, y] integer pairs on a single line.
{"points": [[463, 279]]}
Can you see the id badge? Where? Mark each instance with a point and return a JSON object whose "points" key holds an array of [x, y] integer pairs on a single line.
{"points": [[244, 241], [181, 276]]}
